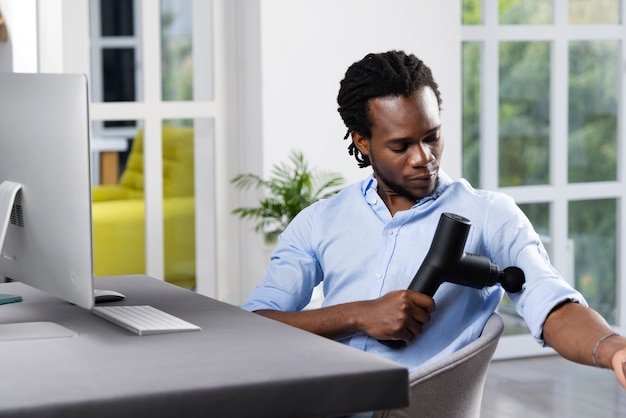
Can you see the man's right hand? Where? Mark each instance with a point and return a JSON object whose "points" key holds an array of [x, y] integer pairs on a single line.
{"points": [[398, 315]]}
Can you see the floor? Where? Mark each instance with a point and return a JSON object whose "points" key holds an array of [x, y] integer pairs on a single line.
{"points": [[551, 387]]}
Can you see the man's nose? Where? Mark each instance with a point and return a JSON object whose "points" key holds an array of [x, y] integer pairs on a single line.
{"points": [[419, 155]]}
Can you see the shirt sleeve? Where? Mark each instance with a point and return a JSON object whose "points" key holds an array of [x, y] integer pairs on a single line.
{"points": [[293, 272], [519, 245]]}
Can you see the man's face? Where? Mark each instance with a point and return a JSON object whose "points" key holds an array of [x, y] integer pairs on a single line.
{"points": [[406, 144]]}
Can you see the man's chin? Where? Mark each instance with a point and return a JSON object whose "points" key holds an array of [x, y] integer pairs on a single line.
{"points": [[421, 192]]}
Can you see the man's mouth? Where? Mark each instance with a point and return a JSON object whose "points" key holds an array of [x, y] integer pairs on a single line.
{"points": [[424, 179]]}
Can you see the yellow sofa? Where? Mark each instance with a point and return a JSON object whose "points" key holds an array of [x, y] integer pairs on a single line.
{"points": [[118, 213]]}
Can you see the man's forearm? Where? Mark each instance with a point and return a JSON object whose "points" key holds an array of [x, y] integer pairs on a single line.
{"points": [[574, 331], [331, 322]]}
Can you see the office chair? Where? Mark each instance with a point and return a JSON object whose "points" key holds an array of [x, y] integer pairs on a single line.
{"points": [[452, 386]]}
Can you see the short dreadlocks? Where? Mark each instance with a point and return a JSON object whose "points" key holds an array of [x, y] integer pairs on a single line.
{"points": [[392, 73]]}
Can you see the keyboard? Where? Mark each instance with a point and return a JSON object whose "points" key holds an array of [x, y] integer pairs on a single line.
{"points": [[143, 319]]}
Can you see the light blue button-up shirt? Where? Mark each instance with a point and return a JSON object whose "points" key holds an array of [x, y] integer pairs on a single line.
{"points": [[353, 246]]}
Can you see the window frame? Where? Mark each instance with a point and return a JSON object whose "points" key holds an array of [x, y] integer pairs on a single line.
{"points": [[558, 192]]}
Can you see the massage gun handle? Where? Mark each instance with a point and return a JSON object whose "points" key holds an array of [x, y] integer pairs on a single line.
{"points": [[446, 247], [393, 343], [427, 280], [424, 282]]}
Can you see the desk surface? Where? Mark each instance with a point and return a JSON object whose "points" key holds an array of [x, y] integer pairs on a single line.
{"points": [[239, 365]]}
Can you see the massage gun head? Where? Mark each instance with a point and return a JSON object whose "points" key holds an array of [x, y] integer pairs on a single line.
{"points": [[512, 279]]}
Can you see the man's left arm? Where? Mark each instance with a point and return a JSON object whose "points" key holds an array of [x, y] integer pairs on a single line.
{"points": [[580, 334]]}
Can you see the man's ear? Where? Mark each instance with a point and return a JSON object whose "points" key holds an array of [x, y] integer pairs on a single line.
{"points": [[361, 143]]}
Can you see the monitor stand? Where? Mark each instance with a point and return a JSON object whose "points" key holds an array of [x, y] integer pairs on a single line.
{"points": [[8, 192], [33, 330], [22, 330]]}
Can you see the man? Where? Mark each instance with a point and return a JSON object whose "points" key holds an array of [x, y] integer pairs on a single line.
{"points": [[366, 243]]}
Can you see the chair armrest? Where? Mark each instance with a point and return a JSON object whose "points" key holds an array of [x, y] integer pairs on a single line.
{"points": [[452, 386]]}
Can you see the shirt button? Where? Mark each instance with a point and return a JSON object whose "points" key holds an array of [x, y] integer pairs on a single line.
{"points": [[373, 201], [390, 232], [379, 276]]}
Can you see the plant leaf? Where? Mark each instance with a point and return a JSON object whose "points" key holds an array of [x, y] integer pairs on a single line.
{"points": [[289, 189]]}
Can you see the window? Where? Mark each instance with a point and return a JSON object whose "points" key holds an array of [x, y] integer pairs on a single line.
{"points": [[154, 109], [542, 115]]}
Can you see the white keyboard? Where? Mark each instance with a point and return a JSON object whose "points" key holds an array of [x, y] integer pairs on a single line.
{"points": [[143, 319]]}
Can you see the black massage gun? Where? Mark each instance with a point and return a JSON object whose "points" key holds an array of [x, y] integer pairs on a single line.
{"points": [[447, 262]]}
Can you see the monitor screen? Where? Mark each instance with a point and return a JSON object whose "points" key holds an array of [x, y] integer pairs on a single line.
{"points": [[45, 190]]}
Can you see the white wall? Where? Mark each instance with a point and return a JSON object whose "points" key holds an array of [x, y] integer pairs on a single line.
{"points": [[306, 47], [19, 53]]}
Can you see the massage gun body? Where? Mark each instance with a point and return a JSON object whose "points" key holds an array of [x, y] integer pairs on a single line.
{"points": [[447, 261], [467, 270]]}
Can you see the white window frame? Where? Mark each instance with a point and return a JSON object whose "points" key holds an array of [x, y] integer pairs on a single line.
{"points": [[559, 192], [63, 48], [97, 44]]}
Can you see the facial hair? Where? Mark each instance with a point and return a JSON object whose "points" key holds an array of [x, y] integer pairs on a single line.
{"points": [[395, 187]]}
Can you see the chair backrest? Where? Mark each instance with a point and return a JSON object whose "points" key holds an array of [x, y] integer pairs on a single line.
{"points": [[452, 386], [178, 164]]}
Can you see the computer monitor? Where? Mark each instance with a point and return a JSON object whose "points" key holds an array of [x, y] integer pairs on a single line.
{"points": [[45, 190]]}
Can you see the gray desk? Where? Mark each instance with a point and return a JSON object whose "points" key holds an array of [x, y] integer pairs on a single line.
{"points": [[239, 365]]}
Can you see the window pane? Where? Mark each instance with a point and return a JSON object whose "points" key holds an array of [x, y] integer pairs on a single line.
{"points": [[118, 73], [117, 17], [118, 205], [524, 113], [525, 12], [539, 216], [593, 228], [179, 203], [471, 112], [472, 13], [593, 12], [594, 84], [115, 52], [176, 50]]}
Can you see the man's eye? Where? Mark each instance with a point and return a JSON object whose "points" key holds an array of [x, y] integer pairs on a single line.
{"points": [[399, 149], [432, 139]]}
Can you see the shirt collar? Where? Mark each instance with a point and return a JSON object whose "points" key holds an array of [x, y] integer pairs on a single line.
{"points": [[443, 182]]}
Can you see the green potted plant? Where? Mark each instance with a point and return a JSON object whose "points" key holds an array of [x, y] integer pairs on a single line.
{"points": [[290, 188]]}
